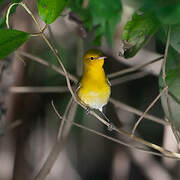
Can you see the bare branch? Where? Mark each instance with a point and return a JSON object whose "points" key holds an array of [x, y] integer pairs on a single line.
{"points": [[44, 62], [28, 89], [165, 84], [53, 155], [132, 69], [148, 108], [128, 78], [138, 112]]}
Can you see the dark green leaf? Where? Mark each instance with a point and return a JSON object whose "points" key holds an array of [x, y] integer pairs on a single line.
{"points": [[137, 32], [10, 40], [169, 14], [3, 22], [167, 11], [175, 37], [1, 1], [102, 14], [49, 10], [106, 14]]}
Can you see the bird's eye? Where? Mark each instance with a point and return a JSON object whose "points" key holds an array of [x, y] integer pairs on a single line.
{"points": [[91, 58]]}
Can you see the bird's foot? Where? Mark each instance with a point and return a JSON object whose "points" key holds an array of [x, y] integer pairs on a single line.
{"points": [[111, 126], [87, 110]]}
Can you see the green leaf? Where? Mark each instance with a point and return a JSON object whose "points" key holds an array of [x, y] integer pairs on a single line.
{"points": [[13, 10], [10, 40], [173, 82], [169, 14], [3, 22], [137, 32], [102, 14], [1, 1], [84, 13], [49, 10], [106, 14], [167, 11], [175, 37]]}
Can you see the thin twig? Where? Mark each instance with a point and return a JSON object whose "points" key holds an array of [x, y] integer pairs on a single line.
{"points": [[28, 89], [13, 125], [151, 145], [132, 69], [138, 112], [118, 141], [10, 127], [38, 34], [44, 62], [53, 155], [128, 78], [148, 108], [165, 84], [64, 117], [168, 155]]}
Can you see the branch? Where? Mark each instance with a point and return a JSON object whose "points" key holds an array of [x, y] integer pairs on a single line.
{"points": [[53, 155], [137, 112], [28, 89], [165, 84], [44, 62], [132, 69], [128, 78], [148, 108], [172, 155]]}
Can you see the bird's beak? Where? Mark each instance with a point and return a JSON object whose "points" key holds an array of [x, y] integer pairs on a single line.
{"points": [[102, 57]]}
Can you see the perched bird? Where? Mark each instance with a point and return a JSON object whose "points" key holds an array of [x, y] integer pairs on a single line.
{"points": [[94, 90]]}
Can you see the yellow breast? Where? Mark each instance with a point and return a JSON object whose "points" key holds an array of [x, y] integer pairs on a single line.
{"points": [[96, 95]]}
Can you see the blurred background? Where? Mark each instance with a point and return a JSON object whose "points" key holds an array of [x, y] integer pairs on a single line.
{"points": [[85, 155]]}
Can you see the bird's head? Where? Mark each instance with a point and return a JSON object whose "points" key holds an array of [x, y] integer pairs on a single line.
{"points": [[93, 58]]}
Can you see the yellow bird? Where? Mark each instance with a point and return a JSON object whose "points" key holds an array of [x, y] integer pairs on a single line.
{"points": [[94, 90]]}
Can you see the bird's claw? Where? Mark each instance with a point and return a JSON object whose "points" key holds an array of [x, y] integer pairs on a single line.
{"points": [[111, 126], [87, 110]]}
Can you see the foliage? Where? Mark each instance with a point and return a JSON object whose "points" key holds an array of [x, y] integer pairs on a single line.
{"points": [[167, 11], [153, 14], [137, 32], [10, 40], [49, 10], [102, 14]]}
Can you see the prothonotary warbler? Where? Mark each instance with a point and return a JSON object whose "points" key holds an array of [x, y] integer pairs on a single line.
{"points": [[94, 90]]}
